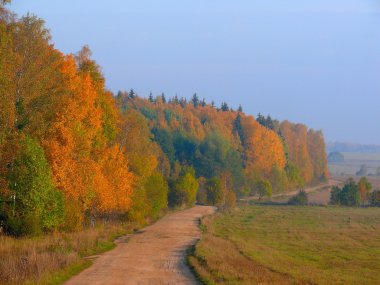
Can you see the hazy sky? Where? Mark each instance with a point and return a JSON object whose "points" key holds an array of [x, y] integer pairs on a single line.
{"points": [[315, 61]]}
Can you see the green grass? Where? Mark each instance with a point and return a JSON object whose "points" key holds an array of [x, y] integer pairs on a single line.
{"points": [[289, 245]]}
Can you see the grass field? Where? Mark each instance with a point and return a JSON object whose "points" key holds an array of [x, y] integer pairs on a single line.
{"points": [[290, 245]]}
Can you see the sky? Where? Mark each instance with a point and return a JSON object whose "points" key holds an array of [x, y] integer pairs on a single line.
{"points": [[315, 62]]}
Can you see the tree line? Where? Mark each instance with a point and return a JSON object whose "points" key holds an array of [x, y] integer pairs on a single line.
{"points": [[70, 150]]}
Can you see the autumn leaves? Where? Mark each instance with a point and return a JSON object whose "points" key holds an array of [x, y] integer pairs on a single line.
{"points": [[70, 150]]}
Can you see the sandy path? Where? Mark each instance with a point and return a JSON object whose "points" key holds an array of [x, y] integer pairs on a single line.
{"points": [[155, 255]]}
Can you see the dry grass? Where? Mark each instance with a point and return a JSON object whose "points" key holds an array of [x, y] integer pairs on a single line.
{"points": [[290, 245], [219, 261], [52, 259]]}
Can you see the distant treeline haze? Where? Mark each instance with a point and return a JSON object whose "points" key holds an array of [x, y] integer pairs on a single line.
{"points": [[70, 150]]}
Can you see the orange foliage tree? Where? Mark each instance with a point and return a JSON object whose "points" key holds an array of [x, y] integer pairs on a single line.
{"points": [[263, 147], [90, 172]]}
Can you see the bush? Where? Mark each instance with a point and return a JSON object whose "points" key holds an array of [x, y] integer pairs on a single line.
{"points": [[299, 199], [215, 192], [364, 187], [230, 202], [375, 198], [202, 192], [156, 189], [264, 188], [184, 190], [347, 196]]}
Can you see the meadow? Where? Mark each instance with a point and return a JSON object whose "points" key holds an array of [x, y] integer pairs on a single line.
{"points": [[289, 245]]}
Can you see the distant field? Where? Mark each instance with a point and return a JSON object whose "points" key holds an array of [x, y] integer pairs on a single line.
{"points": [[353, 161], [290, 245]]}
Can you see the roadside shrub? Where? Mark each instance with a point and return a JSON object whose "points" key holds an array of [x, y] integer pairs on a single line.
{"points": [[300, 199], [230, 202], [183, 191], [202, 192], [215, 192], [349, 195], [375, 198], [264, 188], [156, 189], [364, 187]]}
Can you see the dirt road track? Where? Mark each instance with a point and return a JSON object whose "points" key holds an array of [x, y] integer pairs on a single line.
{"points": [[154, 256], [313, 192]]}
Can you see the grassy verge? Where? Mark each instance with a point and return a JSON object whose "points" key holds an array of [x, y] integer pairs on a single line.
{"points": [[289, 245], [54, 258]]}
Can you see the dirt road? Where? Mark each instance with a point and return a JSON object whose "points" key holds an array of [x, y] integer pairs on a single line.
{"points": [[154, 256], [319, 194]]}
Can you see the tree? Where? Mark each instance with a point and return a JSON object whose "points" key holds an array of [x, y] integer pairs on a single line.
{"points": [[269, 122], [185, 148], [375, 198], [165, 140], [264, 188], [294, 176], [216, 155], [163, 98], [72, 137], [364, 188], [157, 190], [183, 102], [119, 182], [362, 171], [263, 148], [261, 120], [278, 179], [36, 78], [335, 157], [230, 202], [335, 195], [136, 138], [317, 153], [39, 205], [224, 107], [238, 129], [132, 94], [184, 189], [296, 140], [195, 100], [9, 61], [215, 191], [151, 100], [347, 196], [202, 191], [300, 199]]}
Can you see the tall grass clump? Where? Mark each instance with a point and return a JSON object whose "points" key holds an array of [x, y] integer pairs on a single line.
{"points": [[41, 260]]}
